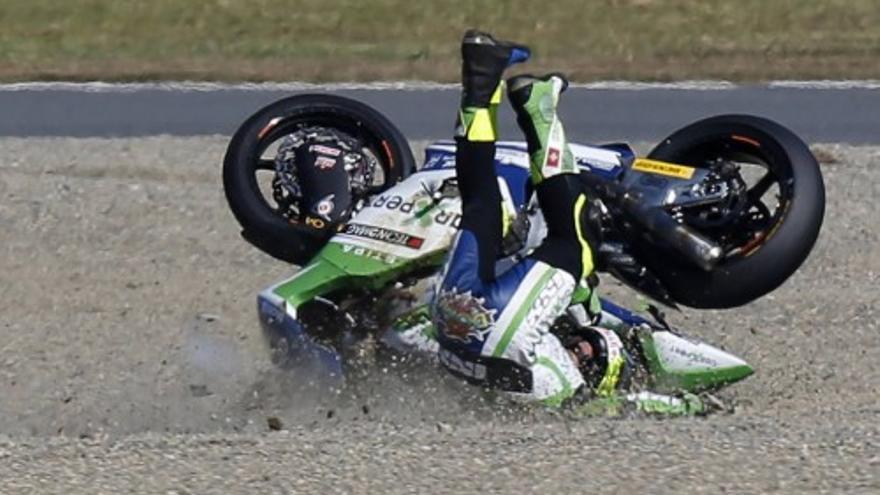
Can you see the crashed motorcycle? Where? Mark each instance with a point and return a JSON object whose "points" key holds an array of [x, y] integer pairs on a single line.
{"points": [[718, 214]]}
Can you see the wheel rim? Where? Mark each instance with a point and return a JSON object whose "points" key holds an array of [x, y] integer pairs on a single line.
{"points": [[766, 178], [262, 171]]}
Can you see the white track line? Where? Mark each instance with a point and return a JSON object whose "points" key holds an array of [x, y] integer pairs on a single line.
{"points": [[640, 86], [863, 84], [193, 86]]}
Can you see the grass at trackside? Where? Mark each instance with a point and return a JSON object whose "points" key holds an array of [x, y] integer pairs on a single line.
{"points": [[324, 40]]}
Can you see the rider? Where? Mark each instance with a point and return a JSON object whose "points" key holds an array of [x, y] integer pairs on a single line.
{"points": [[494, 329]]}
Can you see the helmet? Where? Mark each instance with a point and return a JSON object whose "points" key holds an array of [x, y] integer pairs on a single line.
{"points": [[607, 367]]}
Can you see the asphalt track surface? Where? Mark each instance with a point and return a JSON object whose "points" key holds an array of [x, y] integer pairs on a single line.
{"points": [[844, 113], [130, 360]]}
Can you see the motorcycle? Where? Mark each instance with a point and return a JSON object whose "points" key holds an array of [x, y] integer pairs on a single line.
{"points": [[718, 214]]}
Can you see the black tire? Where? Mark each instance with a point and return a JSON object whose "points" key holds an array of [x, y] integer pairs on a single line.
{"points": [[261, 225], [740, 279]]}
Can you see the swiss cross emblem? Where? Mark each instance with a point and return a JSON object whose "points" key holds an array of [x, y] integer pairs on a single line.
{"points": [[553, 157]]}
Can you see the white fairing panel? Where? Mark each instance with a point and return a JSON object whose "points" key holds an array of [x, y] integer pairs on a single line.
{"points": [[679, 354], [404, 221], [514, 153]]}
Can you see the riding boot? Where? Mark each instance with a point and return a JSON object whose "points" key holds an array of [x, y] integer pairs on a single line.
{"points": [[535, 100], [555, 176], [484, 60]]}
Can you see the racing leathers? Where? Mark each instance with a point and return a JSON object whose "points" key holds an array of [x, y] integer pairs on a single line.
{"points": [[494, 329]]}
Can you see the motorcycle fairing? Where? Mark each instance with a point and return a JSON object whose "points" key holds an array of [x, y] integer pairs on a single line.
{"points": [[407, 227], [678, 363], [606, 161]]}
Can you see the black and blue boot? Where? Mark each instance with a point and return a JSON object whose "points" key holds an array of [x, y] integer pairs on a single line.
{"points": [[484, 60]]}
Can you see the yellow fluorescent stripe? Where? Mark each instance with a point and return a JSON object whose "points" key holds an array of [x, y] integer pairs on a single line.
{"points": [[612, 376], [586, 253], [663, 168], [481, 128], [507, 219], [496, 96]]}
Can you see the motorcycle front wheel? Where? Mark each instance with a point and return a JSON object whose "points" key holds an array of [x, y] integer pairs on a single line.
{"points": [[264, 210], [774, 231]]}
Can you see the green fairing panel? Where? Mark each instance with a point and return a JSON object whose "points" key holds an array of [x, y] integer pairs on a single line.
{"points": [[339, 266], [678, 364], [316, 278]]}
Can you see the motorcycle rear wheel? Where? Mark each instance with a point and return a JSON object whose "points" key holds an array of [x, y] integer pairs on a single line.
{"points": [[765, 262]]}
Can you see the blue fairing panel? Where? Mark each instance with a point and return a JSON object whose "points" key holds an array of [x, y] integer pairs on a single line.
{"points": [[517, 181], [511, 164], [623, 314], [312, 358], [606, 161], [437, 157]]}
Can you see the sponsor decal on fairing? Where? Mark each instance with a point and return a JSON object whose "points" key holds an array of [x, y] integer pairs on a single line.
{"points": [[680, 354], [384, 235], [363, 252]]}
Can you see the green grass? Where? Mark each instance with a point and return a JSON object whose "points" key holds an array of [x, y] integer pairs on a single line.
{"points": [[322, 40]]}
